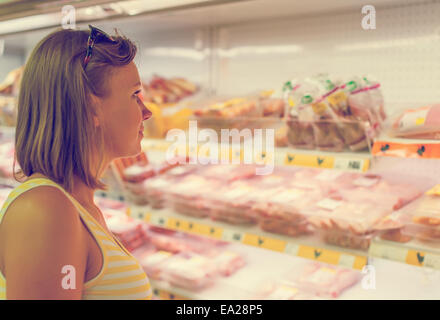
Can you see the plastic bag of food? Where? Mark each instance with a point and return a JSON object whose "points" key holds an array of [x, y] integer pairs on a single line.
{"points": [[420, 123]]}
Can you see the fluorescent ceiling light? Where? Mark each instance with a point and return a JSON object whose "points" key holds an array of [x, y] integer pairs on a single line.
{"points": [[134, 7], [259, 50], [177, 53], [30, 23], [403, 42]]}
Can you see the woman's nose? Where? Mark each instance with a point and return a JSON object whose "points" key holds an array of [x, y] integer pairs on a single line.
{"points": [[146, 113]]}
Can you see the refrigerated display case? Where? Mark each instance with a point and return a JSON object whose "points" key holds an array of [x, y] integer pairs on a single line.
{"points": [[326, 213]]}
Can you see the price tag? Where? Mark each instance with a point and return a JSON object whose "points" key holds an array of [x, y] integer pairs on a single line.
{"points": [[434, 191], [318, 254], [232, 236], [338, 99], [415, 258], [158, 220], [144, 216], [319, 108], [264, 242], [350, 164], [432, 261]]}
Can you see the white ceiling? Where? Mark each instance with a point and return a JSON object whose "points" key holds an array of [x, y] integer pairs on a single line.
{"points": [[221, 14]]}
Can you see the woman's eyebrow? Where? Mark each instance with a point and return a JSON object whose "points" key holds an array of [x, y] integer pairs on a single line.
{"points": [[137, 84]]}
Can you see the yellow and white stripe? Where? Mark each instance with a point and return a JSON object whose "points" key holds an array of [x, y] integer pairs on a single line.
{"points": [[121, 276]]}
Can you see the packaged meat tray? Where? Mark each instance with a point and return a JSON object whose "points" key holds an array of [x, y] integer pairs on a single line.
{"points": [[232, 203], [152, 261], [227, 262], [236, 113], [189, 271], [176, 242], [226, 173], [129, 231], [283, 211], [421, 218], [133, 177], [278, 290], [324, 280], [155, 189], [191, 196], [419, 123], [346, 224]]}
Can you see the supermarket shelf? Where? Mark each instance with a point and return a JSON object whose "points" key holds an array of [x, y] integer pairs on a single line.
{"points": [[413, 253], [350, 161], [407, 148], [309, 247], [383, 277]]}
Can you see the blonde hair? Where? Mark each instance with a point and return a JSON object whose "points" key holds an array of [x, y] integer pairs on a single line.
{"points": [[55, 133]]}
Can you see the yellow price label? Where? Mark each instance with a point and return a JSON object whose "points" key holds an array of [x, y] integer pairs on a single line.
{"points": [[264, 242], [290, 102], [420, 121], [146, 217], [319, 108], [177, 224], [306, 160], [415, 258], [338, 98], [435, 191], [322, 255]]}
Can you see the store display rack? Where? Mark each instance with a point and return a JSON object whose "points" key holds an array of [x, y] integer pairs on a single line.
{"points": [[308, 247]]}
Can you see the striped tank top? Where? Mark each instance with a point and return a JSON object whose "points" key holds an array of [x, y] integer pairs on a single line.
{"points": [[121, 276]]}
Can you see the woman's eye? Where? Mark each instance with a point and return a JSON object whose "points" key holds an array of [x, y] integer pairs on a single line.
{"points": [[136, 94]]}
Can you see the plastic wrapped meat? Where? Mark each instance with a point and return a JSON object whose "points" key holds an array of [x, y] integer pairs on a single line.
{"points": [[232, 204], [134, 176], [151, 262], [190, 196], [421, 218], [129, 231], [227, 173], [189, 271], [175, 242], [283, 212], [228, 262], [155, 189], [383, 193], [282, 291], [347, 224], [420, 123], [326, 280]]}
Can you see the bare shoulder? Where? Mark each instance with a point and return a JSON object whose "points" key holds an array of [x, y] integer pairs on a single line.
{"points": [[44, 205], [41, 232]]}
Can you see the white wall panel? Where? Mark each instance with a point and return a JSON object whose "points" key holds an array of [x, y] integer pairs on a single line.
{"points": [[403, 53]]}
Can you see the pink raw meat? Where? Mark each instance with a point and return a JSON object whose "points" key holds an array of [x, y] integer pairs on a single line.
{"points": [[327, 280]]}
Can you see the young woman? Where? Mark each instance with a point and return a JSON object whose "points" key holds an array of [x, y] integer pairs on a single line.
{"points": [[78, 109]]}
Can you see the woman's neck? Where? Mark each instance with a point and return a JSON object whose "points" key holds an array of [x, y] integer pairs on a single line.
{"points": [[80, 191]]}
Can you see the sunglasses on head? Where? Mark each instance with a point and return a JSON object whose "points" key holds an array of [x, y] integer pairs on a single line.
{"points": [[95, 35]]}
